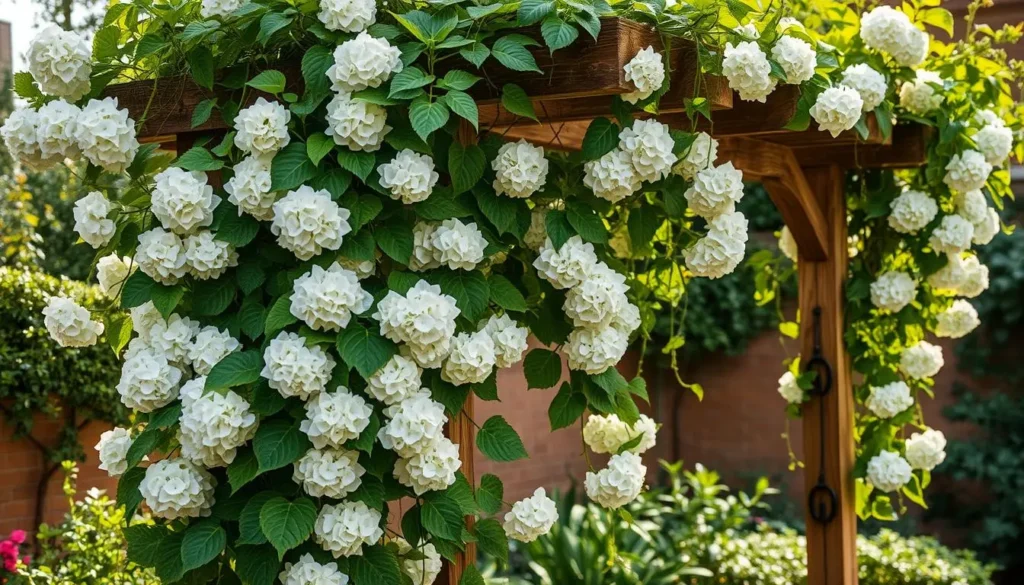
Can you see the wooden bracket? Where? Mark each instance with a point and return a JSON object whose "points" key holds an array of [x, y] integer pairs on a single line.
{"points": [[778, 169]]}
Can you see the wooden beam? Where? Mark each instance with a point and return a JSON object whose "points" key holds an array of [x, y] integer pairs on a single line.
{"points": [[460, 431], [777, 168], [831, 546], [908, 148]]}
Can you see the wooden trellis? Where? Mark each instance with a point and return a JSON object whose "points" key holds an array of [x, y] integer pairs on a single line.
{"points": [[803, 172]]}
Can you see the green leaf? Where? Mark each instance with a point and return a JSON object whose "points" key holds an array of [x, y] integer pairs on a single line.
{"points": [[441, 516], [458, 79], [211, 297], [586, 222], [269, 81], [270, 24], [510, 52], [471, 576], [463, 106], [358, 163], [251, 316], [334, 181], [145, 543], [318, 146], [501, 211], [566, 408], [118, 330], [165, 417], [362, 209], [490, 493], [410, 78], [198, 158], [197, 30], [291, 167], [476, 53], [601, 138], [643, 223], [938, 17], [491, 539], [278, 443], [557, 33], [242, 470], [505, 294], [498, 441], [315, 63], [203, 542], [202, 112], [359, 247], [249, 531], [378, 565], [166, 298], [515, 100], [26, 87], [469, 288], [128, 494], [257, 565], [364, 349], [200, 62], [465, 165], [395, 239], [543, 368], [143, 445], [266, 401], [238, 368], [533, 11], [279, 316], [168, 566], [427, 116], [287, 524], [442, 205], [558, 227]]}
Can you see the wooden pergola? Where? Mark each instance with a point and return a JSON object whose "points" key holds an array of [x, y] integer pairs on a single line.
{"points": [[803, 172]]}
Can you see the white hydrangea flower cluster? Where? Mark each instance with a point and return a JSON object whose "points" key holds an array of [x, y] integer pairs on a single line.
{"points": [[209, 346], [893, 290], [344, 528], [531, 518], [409, 176], [249, 188], [148, 379], [293, 369], [161, 256], [715, 191], [720, 251], [329, 473], [183, 200], [22, 138], [567, 266], [334, 418], [921, 360], [106, 135], [520, 169], [608, 434], [61, 62], [113, 451], [91, 222], [55, 131], [967, 171], [432, 470], [471, 359], [701, 155], [460, 246], [144, 318], [837, 109], [749, 73], [953, 235], [971, 205], [868, 83], [912, 211], [649, 145], [599, 301], [308, 221], [423, 319], [647, 74], [326, 299], [796, 57], [790, 389], [206, 257], [397, 380], [995, 141], [975, 280], [423, 570], [888, 471], [619, 483], [926, 450], [957, 321], [890, 31], [986, 229], [309, 572], [214, 426], [177, 488], [612, 176], [509, 339], [221, 8], [889, 400], [262, 129], [174, 337], [363, 62], [920, 96], [347, 15], [111, 273], [70, 324], [415, 426], [356, 124], [947, 280]]}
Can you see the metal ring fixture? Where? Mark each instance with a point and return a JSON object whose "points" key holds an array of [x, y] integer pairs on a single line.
{"points": [[822, 501]]}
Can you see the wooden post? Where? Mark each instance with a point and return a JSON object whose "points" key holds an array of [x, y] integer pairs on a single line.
{"points": [[829, 443]]}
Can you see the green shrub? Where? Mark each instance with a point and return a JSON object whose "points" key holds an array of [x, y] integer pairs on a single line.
{"points": [[87, 548], [695, 531], [37, 375]]}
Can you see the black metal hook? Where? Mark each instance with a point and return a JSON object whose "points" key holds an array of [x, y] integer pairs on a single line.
{"points": [[822, 501]]}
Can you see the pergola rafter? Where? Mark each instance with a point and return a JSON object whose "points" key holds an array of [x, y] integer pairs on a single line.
{"points": [[803, 172]]}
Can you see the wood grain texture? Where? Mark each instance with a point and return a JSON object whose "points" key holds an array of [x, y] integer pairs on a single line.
{"points": [[777, 168], [908, 148], [461, 432], [831, 548]]}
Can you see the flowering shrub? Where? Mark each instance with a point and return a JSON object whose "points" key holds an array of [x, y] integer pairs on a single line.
{"points": [[11, 557], [295, 346]]}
